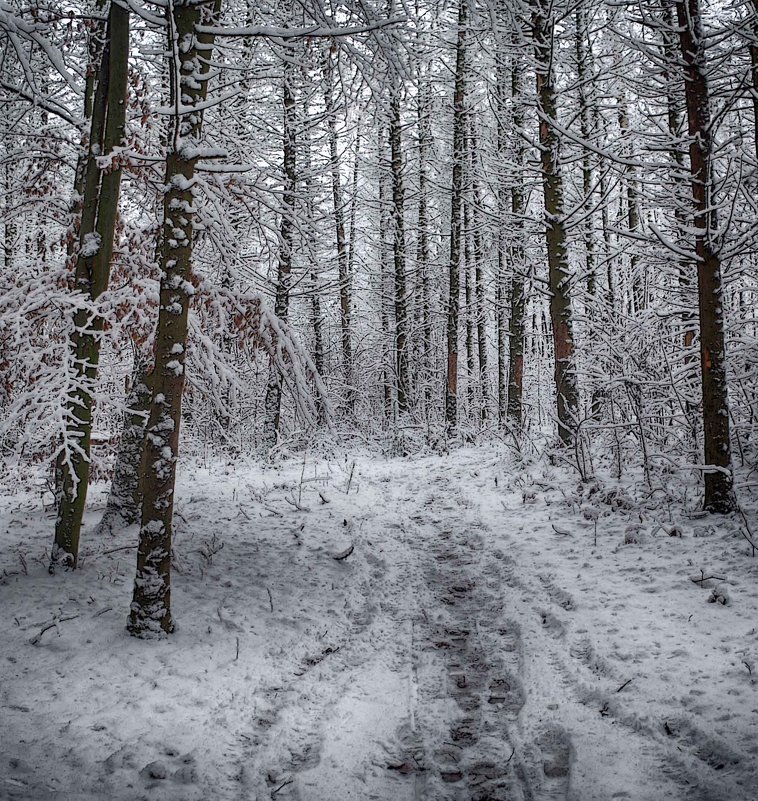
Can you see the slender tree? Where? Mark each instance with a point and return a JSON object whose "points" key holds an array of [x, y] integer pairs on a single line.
{"points": [[102, 182], [398, 253], [273, 402], [190, 54], [343, 265], [456, 201]]}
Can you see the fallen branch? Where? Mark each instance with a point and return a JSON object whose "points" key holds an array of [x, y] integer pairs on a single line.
{"points": [[120, 548], [558, 531], [625, 684], [296, 504], [52, 625], [705, 578], [281, 787]]}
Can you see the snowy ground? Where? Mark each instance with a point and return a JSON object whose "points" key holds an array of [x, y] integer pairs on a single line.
{"points": [[477, 644]]}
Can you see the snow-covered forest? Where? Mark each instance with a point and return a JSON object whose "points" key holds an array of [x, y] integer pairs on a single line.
{"points": [[378, 400]]}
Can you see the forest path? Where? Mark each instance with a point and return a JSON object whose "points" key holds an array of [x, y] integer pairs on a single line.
{"points": [[458, 683], [483, 640]]}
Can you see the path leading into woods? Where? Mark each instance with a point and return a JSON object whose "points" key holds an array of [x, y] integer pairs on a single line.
{"points": [[459, 680], [466, 650]]}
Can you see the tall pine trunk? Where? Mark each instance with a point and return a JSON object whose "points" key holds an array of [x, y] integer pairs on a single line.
{"points": [[567, 397], [719, 494], [150, 614], [398, 252], [454, 269]]}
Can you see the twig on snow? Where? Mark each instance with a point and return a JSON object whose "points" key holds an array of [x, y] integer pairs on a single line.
{"points": [[281, 787], [703, 578], [625, 684], [120, 548], [559, 531], [53, 624]]}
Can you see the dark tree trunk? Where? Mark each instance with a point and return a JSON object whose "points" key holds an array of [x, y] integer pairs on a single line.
{"points": [[398, 251], [150, 614], [98, 224], [273, 401], [422, 252], [343, 261], [454, 275], [567, 398], [719, 494], [125, 496]]}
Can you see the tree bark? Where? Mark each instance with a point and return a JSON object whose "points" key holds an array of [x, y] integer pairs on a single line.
{"points": [[479, 289], [454, 275], [719, 493], [567, 398], [343, 265], [398, 251], [423, 111], [125, 496], [150, 614], [98, 223], [273, 401]]}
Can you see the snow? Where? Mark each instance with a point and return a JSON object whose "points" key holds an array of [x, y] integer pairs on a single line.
{"points": [[476, 643]]}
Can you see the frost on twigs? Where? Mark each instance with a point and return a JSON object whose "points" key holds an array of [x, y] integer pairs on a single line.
{"points": [[243, 320]]}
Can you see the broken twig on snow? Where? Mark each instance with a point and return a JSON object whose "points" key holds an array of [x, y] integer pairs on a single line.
{"points": [[342, 555]]}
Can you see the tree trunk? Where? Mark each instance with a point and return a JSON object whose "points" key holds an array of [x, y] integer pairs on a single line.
{"points": [[383, 279], [638, 297], [101, 192], [422, 252], [454, 275], [719, 494], [398, 251], [273, 402], [754, 74], [468, 299], [478, 257], [583, 67], [567, 398], [125, 495], [150, 614], [343, 265]]}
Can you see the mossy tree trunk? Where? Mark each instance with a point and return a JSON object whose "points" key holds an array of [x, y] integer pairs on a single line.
{"points": [[190, 54], [98, 222]]}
